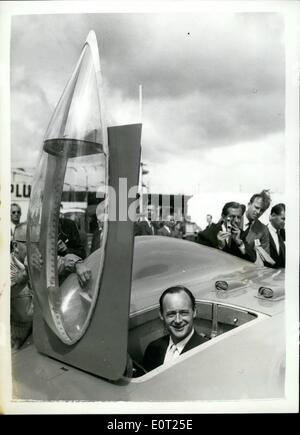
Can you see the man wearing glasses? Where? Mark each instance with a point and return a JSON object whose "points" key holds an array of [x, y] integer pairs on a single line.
{"points": [[15, 216]]}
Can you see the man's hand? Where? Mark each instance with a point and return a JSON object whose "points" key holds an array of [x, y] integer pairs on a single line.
{"points": [[69, 262], [61, 247], [222, 236], [236, 235], [84, 274], [36, 260], [18, 273]]}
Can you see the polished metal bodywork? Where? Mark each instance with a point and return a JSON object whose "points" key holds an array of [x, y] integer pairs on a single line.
{"points": [[246, 362]]}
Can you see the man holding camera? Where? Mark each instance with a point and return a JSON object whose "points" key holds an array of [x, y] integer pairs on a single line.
{"points": [[226, 234]]}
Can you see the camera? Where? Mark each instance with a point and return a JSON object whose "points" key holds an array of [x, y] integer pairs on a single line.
{"points": [[228, 224]]}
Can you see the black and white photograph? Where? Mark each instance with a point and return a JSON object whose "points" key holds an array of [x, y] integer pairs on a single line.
{"points": [[149, 208]]}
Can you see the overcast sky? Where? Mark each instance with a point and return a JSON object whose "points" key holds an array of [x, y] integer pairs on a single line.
{"points": [[213, 92]]}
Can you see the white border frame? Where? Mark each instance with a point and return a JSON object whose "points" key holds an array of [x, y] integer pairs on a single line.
{"points": [[290, 11]]}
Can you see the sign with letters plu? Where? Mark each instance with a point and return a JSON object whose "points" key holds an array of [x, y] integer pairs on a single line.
{"points": [[20, 190]]}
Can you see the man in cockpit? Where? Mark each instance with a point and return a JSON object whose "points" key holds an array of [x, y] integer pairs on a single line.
{"points": [[177, 311]]}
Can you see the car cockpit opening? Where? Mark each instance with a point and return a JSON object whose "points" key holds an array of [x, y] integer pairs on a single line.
{"points": [[212, 320]]}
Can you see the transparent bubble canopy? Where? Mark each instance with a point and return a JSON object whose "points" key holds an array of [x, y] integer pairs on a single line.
{"points": [[78, 113], [73, 164]]}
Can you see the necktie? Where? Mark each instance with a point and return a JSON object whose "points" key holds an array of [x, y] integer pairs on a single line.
{"points": [[174, 351], [171, 354], [245, 233], [151, 227], [247, 230]]}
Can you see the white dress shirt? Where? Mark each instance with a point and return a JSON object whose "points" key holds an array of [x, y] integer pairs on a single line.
{"points": [[174, 350], [150, 225], [12, 229], [167, 228]]}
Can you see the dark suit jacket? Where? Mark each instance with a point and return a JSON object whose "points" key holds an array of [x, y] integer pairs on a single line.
{"points": [[208, 237], [155, 352], [278, 258], [142, 228], [282, 233], [96, 240], [163, 232], [258, 231], [69, 234]]}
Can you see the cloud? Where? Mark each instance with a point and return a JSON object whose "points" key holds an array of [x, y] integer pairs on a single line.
{"points": [[212, 83], [175, 55], [196, 123], [245, 167]]}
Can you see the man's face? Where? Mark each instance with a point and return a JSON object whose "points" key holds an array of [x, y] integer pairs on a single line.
{"points": [[170, 221], [15, 214], [178, 315], [255, 209], [278, 220], [234, 215], [209, 219]]}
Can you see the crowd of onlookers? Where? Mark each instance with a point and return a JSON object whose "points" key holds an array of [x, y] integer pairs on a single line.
{"points": [[238, 232], [21, 312], [170, 227], [70, 256]]}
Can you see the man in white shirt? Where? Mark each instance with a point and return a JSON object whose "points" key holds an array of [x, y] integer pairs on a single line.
{"points": [[255, 233], [168, 227], [276, 227], [144, 226], [177, 311]]}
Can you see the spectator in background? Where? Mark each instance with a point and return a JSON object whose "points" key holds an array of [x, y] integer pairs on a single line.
{"points": [[190, 229], [276, 238], [167, 229], [98, 233], [256, 234], [66, 264], [144, 226], [21, 313], [97, 237], [178, 230], [69, 241], [226, 234], [15, 217], [208, 220]]}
